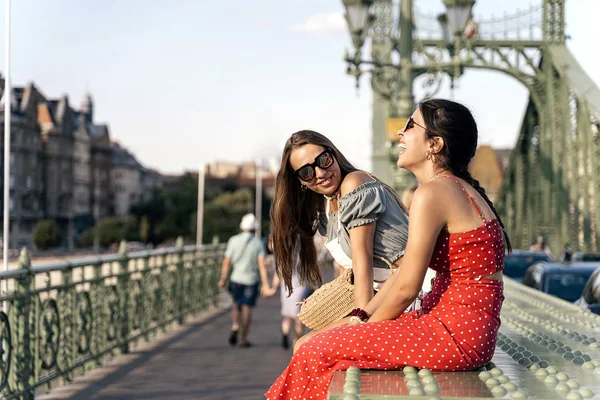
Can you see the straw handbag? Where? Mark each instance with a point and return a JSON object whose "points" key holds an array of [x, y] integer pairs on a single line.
{"points": [[329, 303]]}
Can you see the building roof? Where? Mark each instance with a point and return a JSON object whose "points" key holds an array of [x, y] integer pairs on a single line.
{"points": [[44, 115], [123, 158], [503, 156], [100, 133], [86, 102], [15, 99], [487, 170]]}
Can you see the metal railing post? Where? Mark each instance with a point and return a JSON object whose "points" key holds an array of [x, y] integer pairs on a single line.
{"points": [[67, 347], [99, 325], [123, 288], [23, 331], [180, 285]]}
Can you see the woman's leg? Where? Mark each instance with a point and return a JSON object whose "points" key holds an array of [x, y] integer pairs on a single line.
{"points": [[286, 327], [298, 329]]}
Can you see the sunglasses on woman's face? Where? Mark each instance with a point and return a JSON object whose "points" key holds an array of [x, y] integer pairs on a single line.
{"points": [[410, 123], [307, 172]]}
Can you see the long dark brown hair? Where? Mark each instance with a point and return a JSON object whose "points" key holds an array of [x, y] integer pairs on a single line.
{"points": [[454, 123], [295, 213]]}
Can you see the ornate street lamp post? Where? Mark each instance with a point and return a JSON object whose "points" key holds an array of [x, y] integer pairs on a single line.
{"points": [[359, 20], [458, 12], [393, 81]]}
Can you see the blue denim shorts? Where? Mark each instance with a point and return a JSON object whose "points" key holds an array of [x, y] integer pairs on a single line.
{"points": [[244, 294]]}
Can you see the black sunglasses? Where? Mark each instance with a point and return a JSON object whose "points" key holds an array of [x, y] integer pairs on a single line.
{"points": [[410, 123], [307, 172]]}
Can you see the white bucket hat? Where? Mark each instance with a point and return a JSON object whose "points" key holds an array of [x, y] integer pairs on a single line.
{"points": [[248, 223]]}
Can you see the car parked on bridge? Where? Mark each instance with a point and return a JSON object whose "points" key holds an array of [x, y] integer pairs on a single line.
{"points": [[565, 281], [590, 297], [517, 262], [586, 256]]}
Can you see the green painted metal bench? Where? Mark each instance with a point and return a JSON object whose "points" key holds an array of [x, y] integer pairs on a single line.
{"points": [[547, 349]]}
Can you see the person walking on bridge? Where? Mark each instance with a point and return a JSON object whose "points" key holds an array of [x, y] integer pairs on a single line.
{"points": [[245, 257]]}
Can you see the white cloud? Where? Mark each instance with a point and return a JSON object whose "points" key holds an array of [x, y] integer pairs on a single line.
{"points": [[323, 23]]}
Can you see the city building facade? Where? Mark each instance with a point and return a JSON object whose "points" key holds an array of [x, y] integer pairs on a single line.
{"points": [[65, 167], [26, 176]]}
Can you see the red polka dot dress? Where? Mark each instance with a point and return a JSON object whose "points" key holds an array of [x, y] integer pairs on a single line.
{"points": [[455, 330]]}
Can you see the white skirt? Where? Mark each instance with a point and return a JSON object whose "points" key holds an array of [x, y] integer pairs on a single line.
{"points": [[289, 306]]}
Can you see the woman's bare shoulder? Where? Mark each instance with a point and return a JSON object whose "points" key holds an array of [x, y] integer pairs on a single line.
{"points": [[354, 180], [434, 196]]}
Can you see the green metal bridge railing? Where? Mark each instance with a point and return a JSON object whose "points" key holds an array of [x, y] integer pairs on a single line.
{"points": [[66, 317]]}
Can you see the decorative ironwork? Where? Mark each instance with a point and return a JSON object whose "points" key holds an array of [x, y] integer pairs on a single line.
{"points": [[113, 313], [171, 292], [50, 333], [84, 321], [84, 307], [5, 350], [155, 290], [526, 24], [138, 304], [191, 289]]}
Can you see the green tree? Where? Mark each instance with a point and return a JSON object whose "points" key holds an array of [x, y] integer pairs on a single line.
{"points": [[112, 230], [223, 214], [46, 235], [87, 238], [181, 203], [153, 212], [144, 229]]}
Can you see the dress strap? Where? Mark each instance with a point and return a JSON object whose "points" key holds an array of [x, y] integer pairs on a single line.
{"points": [[468, 197]]}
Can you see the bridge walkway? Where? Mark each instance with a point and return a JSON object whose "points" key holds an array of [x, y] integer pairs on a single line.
{"points": [[191, 362]]}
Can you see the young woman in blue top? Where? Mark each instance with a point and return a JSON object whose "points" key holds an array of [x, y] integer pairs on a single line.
{"points": [[363, 219]]}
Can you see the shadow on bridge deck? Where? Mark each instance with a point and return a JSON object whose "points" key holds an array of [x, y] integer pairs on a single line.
{"points": [[193, 361]]}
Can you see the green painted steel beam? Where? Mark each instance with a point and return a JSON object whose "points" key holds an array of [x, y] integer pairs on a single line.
{"points": [[505, 44]]}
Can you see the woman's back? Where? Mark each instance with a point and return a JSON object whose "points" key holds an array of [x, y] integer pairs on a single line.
{"points": [[472, 246]]}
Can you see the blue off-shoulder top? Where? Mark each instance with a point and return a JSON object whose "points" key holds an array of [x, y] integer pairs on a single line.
{"points": [[370, 202]]}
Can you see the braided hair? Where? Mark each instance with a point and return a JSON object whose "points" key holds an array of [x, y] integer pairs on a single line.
{"points": [[454, 123]]}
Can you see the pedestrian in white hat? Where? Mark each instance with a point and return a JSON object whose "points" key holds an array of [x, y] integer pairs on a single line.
{"points": [[245, 258]]}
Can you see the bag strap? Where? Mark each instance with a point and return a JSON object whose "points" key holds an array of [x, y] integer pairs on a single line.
{"points": [[242, 251], [389, 264]]}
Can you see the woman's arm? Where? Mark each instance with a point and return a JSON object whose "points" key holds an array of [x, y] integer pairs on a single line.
{"points": [[381, 294], [426, 220], [361, 243], [276, 281]]}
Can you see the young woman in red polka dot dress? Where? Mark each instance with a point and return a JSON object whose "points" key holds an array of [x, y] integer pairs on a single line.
{"points": [[455, 230]]}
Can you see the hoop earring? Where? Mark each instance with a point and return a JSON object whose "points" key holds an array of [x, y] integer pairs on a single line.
{"points": [[428, 155], [303, 187]]}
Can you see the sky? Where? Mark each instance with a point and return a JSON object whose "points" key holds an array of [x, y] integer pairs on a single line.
{"points": [[186, 82]]}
